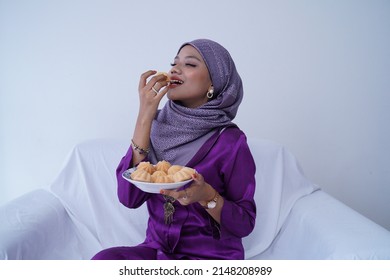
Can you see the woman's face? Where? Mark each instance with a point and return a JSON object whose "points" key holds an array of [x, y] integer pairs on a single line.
{"points": [[190, 78]]}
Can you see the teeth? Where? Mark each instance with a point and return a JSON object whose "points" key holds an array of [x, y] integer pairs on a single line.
{"points": [[175, 82]]}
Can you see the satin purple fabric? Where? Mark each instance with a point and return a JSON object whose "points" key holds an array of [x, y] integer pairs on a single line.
{"points": [[227, 164]]}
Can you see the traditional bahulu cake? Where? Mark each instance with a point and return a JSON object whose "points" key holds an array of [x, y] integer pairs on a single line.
{"points": [[165, 74], [141, 175], [162, 172], [163, 179], [174, 169], [158, 173], [183, 174], [147, 166], [163, 166]]}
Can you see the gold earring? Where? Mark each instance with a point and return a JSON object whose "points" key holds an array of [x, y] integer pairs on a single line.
{"points": [[210, 93]]}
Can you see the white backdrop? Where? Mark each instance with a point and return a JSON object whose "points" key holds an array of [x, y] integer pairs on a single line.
{"points": [[316, 79]]}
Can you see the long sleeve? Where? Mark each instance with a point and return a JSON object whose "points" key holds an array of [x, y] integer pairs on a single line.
{"points": [[228, 166], [239, 209], [128, 194]]}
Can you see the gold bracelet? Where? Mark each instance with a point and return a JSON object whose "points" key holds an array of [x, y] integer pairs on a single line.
{"points": [[140, 150]]}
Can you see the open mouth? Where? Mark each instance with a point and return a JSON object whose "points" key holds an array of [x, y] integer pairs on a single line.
{"points": [[175, 82]]}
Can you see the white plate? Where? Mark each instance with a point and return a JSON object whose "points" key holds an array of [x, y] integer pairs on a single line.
{"points": [[152, 187]]}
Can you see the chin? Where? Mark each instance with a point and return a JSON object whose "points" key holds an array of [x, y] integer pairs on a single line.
{"points": [[172, 97], [169, 96]]}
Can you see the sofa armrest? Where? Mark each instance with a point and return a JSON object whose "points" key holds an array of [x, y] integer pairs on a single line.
{"points": [[36, 226], [321, 227]]}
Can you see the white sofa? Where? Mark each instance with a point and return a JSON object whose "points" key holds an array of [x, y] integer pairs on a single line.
{"points": [[79, 213]]}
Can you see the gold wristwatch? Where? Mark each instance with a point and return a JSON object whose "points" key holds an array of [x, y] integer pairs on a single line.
{"points": [[212, 203]]}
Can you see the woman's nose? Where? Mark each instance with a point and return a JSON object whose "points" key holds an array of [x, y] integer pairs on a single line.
{"points": [[175, 70]]}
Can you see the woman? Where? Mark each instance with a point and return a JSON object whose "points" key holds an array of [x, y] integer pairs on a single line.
{"points": [[207, 218]]}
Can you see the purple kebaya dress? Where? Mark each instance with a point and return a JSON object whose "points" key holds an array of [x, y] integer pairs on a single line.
{"points": [[184, 136], [227, 165]]}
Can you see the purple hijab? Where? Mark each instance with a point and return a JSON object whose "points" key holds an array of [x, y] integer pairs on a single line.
{"points": [[179, 130]]}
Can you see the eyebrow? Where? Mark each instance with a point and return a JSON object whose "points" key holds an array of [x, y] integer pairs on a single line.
{"points": [[190, 56]]}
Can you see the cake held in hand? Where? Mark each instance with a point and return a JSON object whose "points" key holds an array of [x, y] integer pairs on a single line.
{"points": [[165, 74]]}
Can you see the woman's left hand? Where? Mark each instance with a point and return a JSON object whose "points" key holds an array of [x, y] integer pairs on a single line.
{"points": [[199, 191]]}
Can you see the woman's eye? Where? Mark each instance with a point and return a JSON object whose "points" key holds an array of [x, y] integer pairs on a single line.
{"points": [[187, 64]]}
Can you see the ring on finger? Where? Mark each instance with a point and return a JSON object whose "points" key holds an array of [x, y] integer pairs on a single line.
{"points": [[155, 90]]}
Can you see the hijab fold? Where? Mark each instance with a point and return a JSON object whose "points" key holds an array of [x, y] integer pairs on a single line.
{"points": [[178, 129]]}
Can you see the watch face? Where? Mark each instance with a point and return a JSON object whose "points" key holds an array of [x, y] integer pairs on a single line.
{"points": [[211, 204]]}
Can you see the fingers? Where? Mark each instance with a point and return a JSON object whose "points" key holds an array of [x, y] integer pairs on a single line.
{"points": [[144, 78], [157, 81], [155, 86], [198, 178], [160, 78], [194, 193], [178, 195], [161, 93]]}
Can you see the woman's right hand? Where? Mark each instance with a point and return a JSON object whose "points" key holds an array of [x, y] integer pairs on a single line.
{"points": [[149, 99]]}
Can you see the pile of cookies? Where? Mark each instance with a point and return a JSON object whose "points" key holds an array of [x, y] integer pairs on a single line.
{"points": [[162, 172]]}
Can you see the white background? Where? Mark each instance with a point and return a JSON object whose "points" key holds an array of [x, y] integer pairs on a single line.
{"points": [[316, 79]]}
